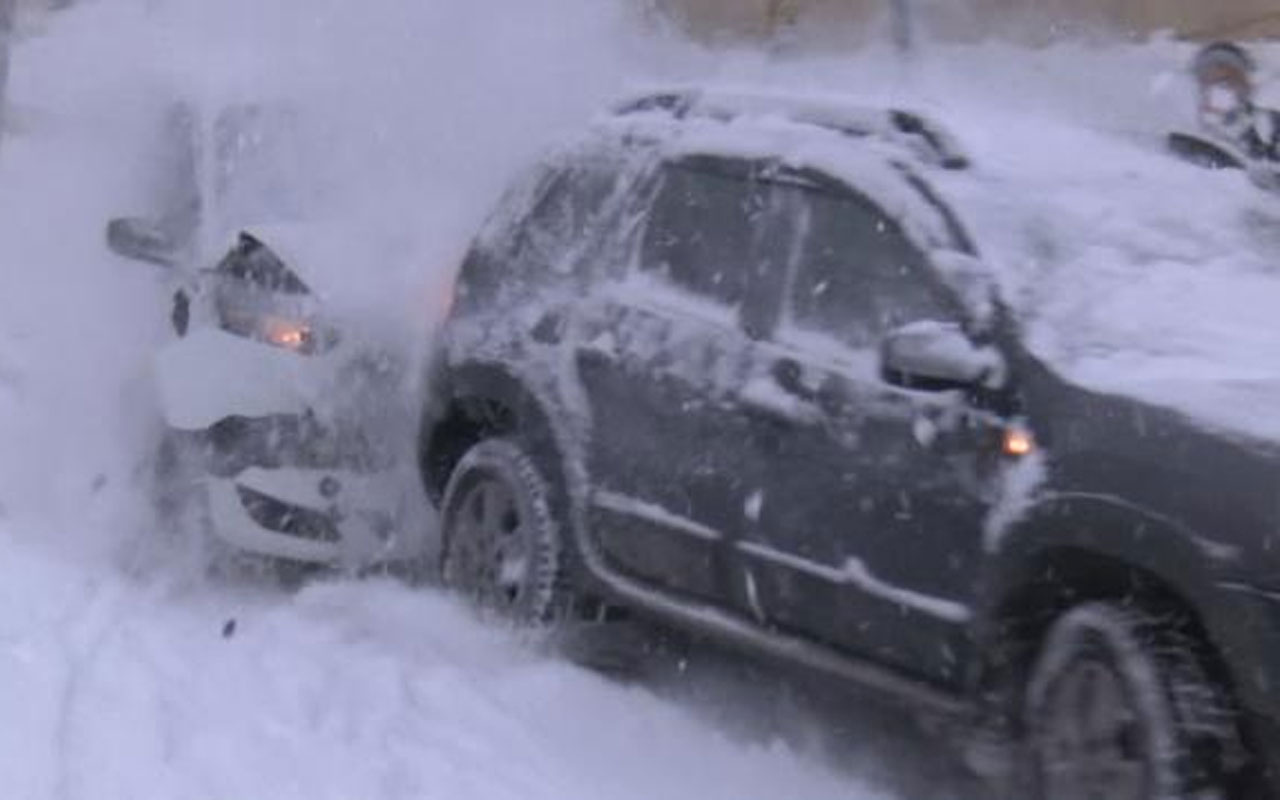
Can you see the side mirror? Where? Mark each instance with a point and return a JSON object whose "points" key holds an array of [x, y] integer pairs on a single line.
{"points": [[143, 240], [937, 356]]}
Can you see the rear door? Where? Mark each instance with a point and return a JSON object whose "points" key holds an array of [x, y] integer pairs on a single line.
{"points": [[869, 526], [662, 368]]}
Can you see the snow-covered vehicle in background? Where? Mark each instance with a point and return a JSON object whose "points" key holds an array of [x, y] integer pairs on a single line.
{"points": [[281, 418], [737, 362]]}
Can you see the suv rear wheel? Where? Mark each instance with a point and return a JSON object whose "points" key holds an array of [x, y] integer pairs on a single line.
{"points": [[1118, 707], [502, 540]]}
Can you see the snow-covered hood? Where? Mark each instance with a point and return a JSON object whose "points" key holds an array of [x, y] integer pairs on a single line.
{"points": [[1130, 271]]}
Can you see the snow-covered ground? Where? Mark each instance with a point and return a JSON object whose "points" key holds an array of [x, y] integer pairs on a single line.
{"points": [[111, 688], [119, 675]]}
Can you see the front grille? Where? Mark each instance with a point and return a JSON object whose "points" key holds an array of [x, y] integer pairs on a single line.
{"points": [[280, 517], [285, 440]]}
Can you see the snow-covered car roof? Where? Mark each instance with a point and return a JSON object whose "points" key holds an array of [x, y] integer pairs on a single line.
{"points": [[1129, 271], [926, 138], [860, 147]]}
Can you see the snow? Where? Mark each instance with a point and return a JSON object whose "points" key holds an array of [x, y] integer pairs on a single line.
{"points": [[1018, 489], [115, 689], [803, 146], [253, 380], [627, 506], [116, 679], [1129, 271], [1135, 274]]}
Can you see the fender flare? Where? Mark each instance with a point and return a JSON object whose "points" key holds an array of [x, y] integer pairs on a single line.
{"points": [[1107, 527], [1182, 561], [534, 406]]}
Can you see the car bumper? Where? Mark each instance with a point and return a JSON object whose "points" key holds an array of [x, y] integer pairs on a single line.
{"points": [[280, 479], [317, 516]]}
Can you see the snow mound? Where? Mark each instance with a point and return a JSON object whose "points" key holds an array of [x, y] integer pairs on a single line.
{"points": [[113, 689]]}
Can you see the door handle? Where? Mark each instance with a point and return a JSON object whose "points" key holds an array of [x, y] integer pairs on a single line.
{"points": [[789, 375], [782, 394], [828, 393]]}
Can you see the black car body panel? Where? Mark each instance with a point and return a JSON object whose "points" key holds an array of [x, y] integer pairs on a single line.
{"points": [[737, 456]]}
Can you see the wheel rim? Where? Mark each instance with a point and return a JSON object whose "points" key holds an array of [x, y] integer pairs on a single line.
{"points": [[489, 554], [1092, 743]]}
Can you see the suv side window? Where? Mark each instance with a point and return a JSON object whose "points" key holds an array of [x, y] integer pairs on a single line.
{"points": [[700, 232], [857, 276], [543, 227], [549, 237]]}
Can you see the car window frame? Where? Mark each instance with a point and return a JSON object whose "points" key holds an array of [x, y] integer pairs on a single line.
{"points": [[493, 257], [560, 176], [926, 272]]}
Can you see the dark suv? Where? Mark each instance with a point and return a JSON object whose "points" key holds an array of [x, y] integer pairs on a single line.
{"points": [[733, 363]]}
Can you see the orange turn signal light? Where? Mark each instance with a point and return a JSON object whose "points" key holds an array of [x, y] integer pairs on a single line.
{"points": [[1017, 443]]}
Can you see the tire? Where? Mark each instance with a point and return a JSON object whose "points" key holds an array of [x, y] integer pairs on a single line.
{"points": [[1119, 707], [503, 541]]}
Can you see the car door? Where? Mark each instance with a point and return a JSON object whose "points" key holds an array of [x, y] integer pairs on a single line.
{"points": [[661, 367], [868, 529]]}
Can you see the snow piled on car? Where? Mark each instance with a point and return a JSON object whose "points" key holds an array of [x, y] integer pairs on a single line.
{"points": [[1131, 272], [112, 689]]}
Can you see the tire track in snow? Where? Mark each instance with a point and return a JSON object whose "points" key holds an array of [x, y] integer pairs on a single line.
{"points": [[86, 633]]}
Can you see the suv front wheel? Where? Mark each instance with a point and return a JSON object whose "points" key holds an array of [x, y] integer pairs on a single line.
{"points": [[502, 539], [1119, 707]]}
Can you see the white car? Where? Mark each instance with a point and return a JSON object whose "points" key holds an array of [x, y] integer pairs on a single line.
{"points": [[282, 422]]}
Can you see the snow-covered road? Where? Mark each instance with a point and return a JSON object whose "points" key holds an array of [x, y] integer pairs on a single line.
{"points": [[118, 690]]}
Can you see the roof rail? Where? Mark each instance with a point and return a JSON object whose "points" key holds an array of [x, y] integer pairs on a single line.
{"points": [[928, 139]]}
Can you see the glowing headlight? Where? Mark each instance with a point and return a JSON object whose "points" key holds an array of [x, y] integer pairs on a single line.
{"points": [[287, 333]]}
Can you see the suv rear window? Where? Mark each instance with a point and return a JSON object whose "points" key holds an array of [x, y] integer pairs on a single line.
{"points": [[539, 230], [552, 233]]}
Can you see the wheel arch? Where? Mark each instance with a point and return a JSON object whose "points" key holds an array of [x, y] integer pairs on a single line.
{"points": [[485, 400], [1072, 550], [1070, 547]]}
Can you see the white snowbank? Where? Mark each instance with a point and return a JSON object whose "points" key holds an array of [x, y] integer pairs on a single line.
{"points": [[118, 691]]}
